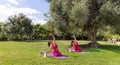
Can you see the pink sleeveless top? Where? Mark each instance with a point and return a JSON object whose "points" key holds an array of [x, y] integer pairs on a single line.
{"points": [[76, 47], [55, 51]]}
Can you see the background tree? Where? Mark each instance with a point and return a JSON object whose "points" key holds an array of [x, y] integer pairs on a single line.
{"points": [[2, 36], [96, 18], [39, 32], [60, 13], [18, 27], [90, 15]]}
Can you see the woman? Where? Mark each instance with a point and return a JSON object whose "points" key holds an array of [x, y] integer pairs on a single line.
{"points": [[52, 45], [74, 45]]}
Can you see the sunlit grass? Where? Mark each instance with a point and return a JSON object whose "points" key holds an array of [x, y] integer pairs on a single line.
{"points": [[26, 53]]}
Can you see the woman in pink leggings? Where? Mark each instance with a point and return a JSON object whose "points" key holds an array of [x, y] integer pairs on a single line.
{"points": [[54, 47]]}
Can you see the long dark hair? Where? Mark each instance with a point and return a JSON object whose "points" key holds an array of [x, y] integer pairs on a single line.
{"points": [[49, 43], [72, 43]]}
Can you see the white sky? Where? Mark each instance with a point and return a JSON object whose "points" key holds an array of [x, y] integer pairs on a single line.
{"points": [[13, 7]]}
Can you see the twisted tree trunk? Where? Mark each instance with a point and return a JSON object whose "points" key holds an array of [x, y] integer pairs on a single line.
{"points": [[92, 24]]}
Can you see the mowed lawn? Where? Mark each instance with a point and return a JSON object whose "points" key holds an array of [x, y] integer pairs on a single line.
{"points": [[27, 53]]}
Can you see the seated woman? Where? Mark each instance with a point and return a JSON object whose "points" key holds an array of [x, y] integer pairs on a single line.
{"points": [[52, 46], [74, 45]]}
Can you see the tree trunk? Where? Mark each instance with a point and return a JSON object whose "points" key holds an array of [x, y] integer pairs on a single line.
{"points": [[63, 38], [93, 42], [92, 25]]}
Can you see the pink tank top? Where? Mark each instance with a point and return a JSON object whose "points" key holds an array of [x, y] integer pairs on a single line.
{"points": [[55, 51], [76, 47]]}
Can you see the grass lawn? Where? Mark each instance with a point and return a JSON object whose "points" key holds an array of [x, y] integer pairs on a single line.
{"points": [[26, 53]]}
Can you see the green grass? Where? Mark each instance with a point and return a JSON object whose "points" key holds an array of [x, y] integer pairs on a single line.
{"points": [[26, 53]]}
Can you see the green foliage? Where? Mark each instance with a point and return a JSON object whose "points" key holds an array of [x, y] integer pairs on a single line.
{"points": [[39, 31], [79, 13], [2, 36], [18, 27], [110, 15], [60, 10], [51, 26], [81, 16], [110, 19], [108, 32], [63, 23]]}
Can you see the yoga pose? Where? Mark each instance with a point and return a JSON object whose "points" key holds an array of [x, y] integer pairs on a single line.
{"points": [[74, 46], [52, 45]]}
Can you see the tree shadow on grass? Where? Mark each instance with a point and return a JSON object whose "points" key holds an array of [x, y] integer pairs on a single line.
{"points": [[113, 48], [86, 48]]}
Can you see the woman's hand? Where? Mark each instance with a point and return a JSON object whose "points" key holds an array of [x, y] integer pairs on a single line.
{"points": [[73, 37], [53, 38]]}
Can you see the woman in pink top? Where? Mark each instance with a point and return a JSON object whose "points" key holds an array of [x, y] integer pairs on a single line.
{"points": [[74, 45], [54, 47]]}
